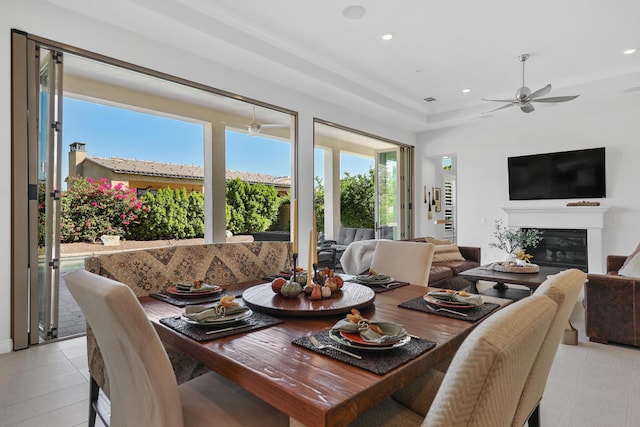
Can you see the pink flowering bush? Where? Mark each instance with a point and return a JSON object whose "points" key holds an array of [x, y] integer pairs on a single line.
{"points": [[91, 209]]}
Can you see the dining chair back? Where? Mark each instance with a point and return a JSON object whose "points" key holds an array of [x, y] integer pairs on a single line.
{"points": [[483, 384], [144, 390], [563, 288], [404, 261]]}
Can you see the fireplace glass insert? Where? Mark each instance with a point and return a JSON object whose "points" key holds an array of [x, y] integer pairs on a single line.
{"points": [[561, 248]]}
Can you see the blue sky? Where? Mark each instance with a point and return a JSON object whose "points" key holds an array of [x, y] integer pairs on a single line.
{"points": [[110, 131]]}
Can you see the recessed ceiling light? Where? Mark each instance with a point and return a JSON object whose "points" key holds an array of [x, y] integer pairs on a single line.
{"points": [[387, 36], [354, 12], [466, 90], [629, 51]]}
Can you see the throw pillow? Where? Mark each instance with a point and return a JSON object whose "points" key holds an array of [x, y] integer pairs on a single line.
{"points": [[443, 253], [630, 257], [438, 241], [632, 269]]}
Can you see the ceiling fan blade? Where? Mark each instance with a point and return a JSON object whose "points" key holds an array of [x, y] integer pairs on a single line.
{"points": [[541, 92], [273, 125], [500, 108], [527, 108], [556, 99], [497, 100]]}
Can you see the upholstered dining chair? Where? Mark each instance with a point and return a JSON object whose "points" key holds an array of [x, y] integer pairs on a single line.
{"points": [[484, 382], [404, 261], [144, 390], [563, 288]]}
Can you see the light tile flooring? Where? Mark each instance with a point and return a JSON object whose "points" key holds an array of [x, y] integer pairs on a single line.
{"points": [[590, 385]]}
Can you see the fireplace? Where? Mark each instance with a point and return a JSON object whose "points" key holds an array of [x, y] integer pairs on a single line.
{"points": [[565, 248], [584, 218]]}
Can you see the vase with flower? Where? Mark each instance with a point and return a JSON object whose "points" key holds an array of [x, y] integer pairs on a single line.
{"points": [[514, 241]]}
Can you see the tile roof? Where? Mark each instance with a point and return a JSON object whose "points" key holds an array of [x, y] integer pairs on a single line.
{"points": [[173, 170]]}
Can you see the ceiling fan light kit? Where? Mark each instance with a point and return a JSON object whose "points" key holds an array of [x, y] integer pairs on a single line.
{"points": [[524, 97], [255, 126]]}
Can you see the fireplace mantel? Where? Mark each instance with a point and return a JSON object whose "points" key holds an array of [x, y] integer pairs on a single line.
{"points": [[590, 218]]}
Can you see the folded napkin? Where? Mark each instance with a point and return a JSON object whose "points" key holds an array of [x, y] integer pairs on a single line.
{"points": [[203, 314], [390, 331], [373, 278], [190, 287], [456, 297]]}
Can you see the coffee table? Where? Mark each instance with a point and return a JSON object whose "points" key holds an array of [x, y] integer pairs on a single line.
{"points": [[501, 279], [501, 290]]}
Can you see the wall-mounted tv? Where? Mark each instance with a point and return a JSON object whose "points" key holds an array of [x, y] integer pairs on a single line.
{"points": [[578, 174]]}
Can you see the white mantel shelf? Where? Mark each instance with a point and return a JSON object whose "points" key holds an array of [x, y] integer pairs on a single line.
{"points": [[590, 218]]}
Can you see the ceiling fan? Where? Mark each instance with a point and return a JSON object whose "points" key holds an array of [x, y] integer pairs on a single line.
{"points": [[255, 126], [524, 96]]}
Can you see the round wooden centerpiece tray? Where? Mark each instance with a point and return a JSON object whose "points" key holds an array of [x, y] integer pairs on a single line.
{"points": [[507, 267], [262, 298]]}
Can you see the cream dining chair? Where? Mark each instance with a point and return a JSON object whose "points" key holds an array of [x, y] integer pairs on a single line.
{"points": [[484, 382], [563, 288], [404, 261], [144, 391]]}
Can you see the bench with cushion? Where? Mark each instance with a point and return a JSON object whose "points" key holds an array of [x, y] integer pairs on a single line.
{"points": [[154, 270]]}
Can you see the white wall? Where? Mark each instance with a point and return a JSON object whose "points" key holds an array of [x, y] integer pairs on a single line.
{"points": [[482, 149], [43, 19]]}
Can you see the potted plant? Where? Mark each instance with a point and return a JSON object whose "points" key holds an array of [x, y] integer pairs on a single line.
{"points": [[514, 240]]}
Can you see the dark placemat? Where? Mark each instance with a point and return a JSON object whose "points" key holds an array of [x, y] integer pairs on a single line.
{"points": [[378, 362], [185, 301], [256, 321], [473, 314], [379, 288]]}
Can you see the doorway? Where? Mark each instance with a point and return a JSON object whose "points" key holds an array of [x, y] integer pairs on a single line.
{"points": [[38, 174]]}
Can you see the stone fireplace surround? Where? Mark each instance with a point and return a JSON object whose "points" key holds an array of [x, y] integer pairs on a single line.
{"points": [[590, 218]]}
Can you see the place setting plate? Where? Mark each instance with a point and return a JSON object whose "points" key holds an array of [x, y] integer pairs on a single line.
{"points": [[175, 292], [232, 318], [355, 341], [363, 280], [449, 304]]}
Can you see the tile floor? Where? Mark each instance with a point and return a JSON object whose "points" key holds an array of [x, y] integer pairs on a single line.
{"points": [[590, 385]]}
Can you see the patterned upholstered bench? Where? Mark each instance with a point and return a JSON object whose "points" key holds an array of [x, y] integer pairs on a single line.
{"points": [[154, 270]]}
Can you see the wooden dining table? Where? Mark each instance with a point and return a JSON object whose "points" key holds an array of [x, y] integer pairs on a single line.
{"points": [[312, 388]]}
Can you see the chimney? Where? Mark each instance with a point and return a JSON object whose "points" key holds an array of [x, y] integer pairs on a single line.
{"points": [[77, 154]]}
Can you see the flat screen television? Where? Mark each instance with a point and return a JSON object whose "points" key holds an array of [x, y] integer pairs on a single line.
{"points": [[578, 174]]}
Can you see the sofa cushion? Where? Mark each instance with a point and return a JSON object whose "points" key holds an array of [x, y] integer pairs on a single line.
{"points": [[439, 272], [445, 253], [364, 234], [437, 241], [346, 235], [631, 268], [457, 267]]}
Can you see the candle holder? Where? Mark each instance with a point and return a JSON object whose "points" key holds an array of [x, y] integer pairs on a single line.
{"points": [[295, 266]]}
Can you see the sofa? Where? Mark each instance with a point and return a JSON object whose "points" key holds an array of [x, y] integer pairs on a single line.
{"points": [[612, 305], [154, 270], [448, 261], [331, 250]]}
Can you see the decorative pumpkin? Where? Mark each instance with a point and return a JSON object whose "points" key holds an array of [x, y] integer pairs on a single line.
{"points": [[277, 284], [290, 289], [316, 293], [326, 292], [339, 281], [308, 289], [331, 284]]}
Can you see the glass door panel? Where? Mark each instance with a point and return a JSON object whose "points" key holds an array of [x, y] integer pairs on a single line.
{"points": [[49, 186], [387, 201]]}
